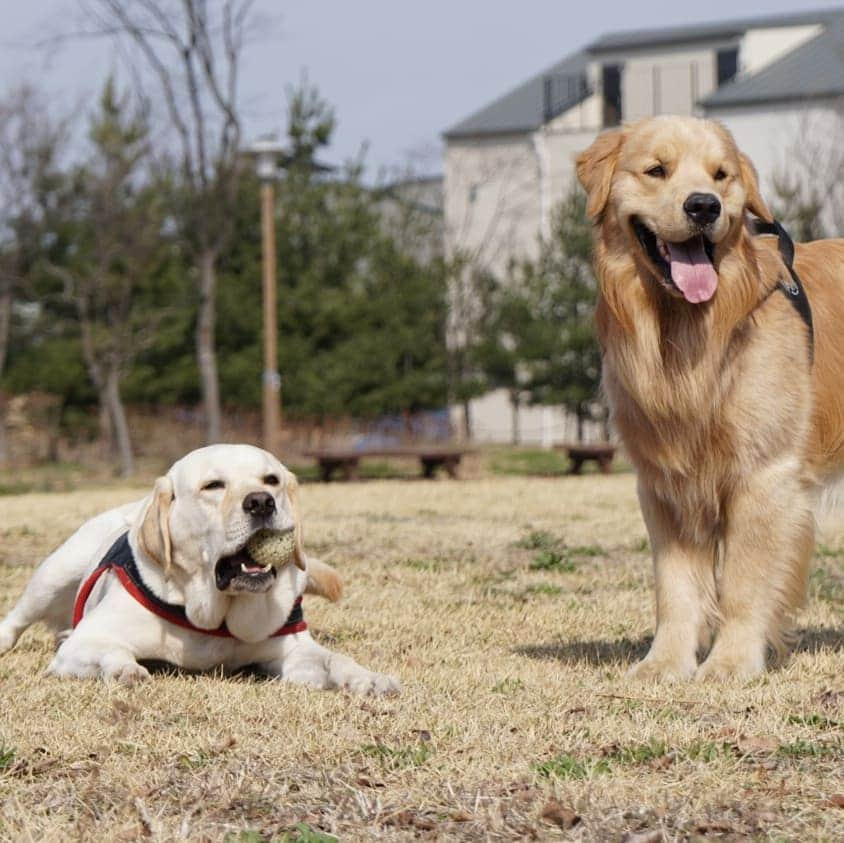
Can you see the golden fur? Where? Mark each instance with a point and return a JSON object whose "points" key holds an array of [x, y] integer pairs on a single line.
{"points": [[732, 429]]}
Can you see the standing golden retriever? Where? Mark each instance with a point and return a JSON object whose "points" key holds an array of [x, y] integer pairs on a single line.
{"points": [[732, 412]]}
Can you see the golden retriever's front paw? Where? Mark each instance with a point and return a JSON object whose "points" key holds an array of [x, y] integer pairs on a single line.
{"points": [[737, 654], [723, 669], [661, 670]]}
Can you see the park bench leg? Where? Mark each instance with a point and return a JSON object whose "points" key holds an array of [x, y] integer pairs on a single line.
{"points": [[326, 469], [350, 470], [451, 465], [605, 464], [576, 465], [429, 467]]}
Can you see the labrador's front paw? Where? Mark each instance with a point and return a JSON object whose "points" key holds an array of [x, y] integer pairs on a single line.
{"points": [[347, 674], [378, 685]]}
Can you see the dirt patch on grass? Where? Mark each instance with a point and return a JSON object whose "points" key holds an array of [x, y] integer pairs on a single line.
{"points": [[511, 609]]}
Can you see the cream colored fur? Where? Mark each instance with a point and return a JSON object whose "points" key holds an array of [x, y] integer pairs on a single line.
{"points": [[195, 516]]}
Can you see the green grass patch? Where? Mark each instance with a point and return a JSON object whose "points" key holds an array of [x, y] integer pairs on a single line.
{"points": [[544, 589], [827, 585], [552, 560], [422, 564], [807, 749], [565, 766], [565, 559], [816, 721], [7, 757], [642, 753], [398, 758], [538, 540], [508, 686], [303, 833], [533, 462]]}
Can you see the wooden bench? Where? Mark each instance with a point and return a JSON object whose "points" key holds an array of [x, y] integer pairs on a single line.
{"points": [[581, 452], [431, 457]]}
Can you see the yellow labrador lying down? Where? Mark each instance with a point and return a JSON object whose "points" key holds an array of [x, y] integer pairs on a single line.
{"points": [[177, 584]]}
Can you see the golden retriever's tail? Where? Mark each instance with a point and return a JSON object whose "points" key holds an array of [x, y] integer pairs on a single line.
{"points": [[323, 580]]}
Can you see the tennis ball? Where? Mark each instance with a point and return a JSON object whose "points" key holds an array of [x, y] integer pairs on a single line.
{"points": [[270, 547]]}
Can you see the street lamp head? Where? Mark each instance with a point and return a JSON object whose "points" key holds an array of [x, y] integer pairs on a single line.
{"points": [[267, 151]]}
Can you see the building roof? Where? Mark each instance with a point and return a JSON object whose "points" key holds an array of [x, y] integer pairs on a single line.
{"points": [[632, 39], [523, 108], [815, 69]]}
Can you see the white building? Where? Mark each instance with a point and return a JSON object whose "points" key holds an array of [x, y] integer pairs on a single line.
{"points": [[776, 82]]}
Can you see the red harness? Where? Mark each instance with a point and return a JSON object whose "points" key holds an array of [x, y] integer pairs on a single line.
{"points": [[120, 560]]}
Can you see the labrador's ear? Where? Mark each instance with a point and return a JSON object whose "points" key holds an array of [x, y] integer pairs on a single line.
{"points": [[154, 533], [299, 558], [754, 202], [323, 580], [595, 168]]}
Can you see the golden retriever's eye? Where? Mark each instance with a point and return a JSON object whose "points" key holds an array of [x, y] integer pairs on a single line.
{"points": [[213, 484], [271, 480], [657, 172], [720, 175]]}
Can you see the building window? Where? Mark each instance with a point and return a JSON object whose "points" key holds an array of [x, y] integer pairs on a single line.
{"points": [[727, 65], [611, 86]]}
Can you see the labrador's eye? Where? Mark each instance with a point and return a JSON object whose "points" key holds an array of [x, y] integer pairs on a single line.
{"points": [[720, 175], [213, 484], [657, 172], [271, 480]]}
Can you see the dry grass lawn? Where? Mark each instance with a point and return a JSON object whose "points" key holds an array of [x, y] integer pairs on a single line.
{"points": [[511, 609]]}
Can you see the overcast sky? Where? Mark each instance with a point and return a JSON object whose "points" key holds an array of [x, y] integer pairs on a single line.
{"points": [[397, 72]]}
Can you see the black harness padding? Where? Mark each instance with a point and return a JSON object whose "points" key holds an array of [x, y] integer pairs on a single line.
{"points": [[792, 287]]}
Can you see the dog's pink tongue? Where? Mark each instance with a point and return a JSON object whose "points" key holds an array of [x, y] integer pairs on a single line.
{"points": [[692, 271]]}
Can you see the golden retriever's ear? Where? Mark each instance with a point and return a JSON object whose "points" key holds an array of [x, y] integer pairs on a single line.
{"points": [[595, 168], [754, 203], [154, 534], [299, 550]]}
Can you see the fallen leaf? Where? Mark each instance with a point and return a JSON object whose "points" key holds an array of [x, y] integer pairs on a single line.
{"points": [[758, 745], [718, 827], [830, 697], [461, 817], [555, 813], [227, 741], [365, 781], [835, 801], [400, 818]]}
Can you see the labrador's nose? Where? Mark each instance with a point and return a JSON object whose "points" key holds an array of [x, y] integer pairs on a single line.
{"points": [[259, 504], [703, 208]]}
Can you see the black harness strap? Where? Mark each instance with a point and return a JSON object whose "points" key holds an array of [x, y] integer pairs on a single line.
{"points": [[792, 287], [120, 560]]}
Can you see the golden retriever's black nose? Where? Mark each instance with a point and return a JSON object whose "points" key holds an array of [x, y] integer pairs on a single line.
{"points": [[703, 208], [259, 504]]}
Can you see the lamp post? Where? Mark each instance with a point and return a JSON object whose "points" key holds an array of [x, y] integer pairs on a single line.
{"points": [[267, 152]]}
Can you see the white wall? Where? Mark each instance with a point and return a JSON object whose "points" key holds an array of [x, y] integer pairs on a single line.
{"points": [[761, 47], [492, 200], [492, 421], [781, 137]]}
